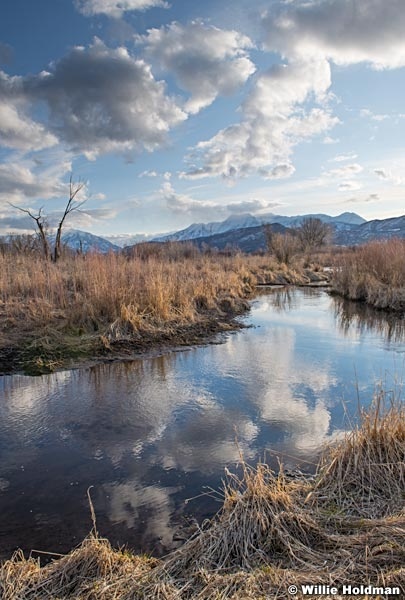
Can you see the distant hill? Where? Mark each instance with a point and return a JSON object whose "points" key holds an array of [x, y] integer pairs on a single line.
{"points": [[236, 222], [87, 242], [247, 239], [128, 239], [244, 232], [78, 240], [378, 229]]}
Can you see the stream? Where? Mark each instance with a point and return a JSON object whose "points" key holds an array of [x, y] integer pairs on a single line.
{"points": [[153, 436]]}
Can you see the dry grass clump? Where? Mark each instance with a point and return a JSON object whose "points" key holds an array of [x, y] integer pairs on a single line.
{"points": [[374, 273], [364, 473], [93, 570], [268, 270], [262, 519]]}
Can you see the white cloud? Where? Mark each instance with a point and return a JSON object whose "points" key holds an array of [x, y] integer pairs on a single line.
{"points": [[17, 129], [366, 113], [205, 60], [345, 31], [30, 183], [273, 122], [102, 100], [148, 174], [349, 186], [330, 140], [369, 198], [344, 157], [389, 176], [346, 171], [185, 204], [115, 8], [182, 203], [19, 182], [281, 171]]}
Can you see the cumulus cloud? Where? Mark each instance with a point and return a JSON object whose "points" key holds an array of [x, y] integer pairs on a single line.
{"points": [[103, 100], [345, 31], [185, 204], [250, 206], [205, 60], [19, 182], [182, 203], [115, 8], [274, 121], [17, 129]]}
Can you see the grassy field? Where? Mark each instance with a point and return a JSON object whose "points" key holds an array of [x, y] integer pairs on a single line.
{"points": [[343, 526], [373, 273], [96, 305]]}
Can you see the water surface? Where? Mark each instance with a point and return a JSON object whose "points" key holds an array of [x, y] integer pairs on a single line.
{"points": [[152, 433]]}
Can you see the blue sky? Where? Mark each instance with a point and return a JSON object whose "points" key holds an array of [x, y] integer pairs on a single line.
{"points": [[177, 111]]}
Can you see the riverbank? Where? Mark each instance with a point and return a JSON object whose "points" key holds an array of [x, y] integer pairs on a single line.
{"points": [[373, 273], [94, 308], [343, 528]]}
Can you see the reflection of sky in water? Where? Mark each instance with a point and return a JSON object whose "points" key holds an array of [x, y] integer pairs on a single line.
{"points": [[151, 433]]}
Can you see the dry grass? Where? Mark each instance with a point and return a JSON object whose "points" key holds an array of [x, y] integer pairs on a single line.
{"points": [[100, 289], [52, 311], [89, 305], [344, 525], [369, 463], [373, 273]]}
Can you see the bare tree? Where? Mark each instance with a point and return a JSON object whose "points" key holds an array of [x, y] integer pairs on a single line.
{"points": [[74, 189], [42, 221], [313, 233], [41, 227]]}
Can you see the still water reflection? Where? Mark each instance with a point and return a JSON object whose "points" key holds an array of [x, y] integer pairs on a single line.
{"points": [[151, 433]]}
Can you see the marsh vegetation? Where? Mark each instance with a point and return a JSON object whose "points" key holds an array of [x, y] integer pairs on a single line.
{"points": [[373, 273], [52, 313]]}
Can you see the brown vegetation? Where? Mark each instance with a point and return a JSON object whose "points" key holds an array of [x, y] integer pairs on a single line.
{"points": [[373, 273], [110, 299], [345, 525], [87, 305]]}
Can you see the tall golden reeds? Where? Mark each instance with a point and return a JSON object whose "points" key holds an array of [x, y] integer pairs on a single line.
{"points": [[98, 287], [374, 273]]}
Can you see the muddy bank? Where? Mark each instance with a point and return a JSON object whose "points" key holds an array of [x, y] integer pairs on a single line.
{"points": [[41, 353]]}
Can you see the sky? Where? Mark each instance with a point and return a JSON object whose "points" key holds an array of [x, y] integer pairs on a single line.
{"points": [[179, 111]]}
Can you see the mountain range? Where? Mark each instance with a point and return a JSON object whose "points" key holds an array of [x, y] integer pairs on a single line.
{"points": [[243, 231], [235, 222]]}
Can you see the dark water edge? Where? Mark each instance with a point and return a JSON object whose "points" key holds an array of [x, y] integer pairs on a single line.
{"points": [[152, 433]]}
